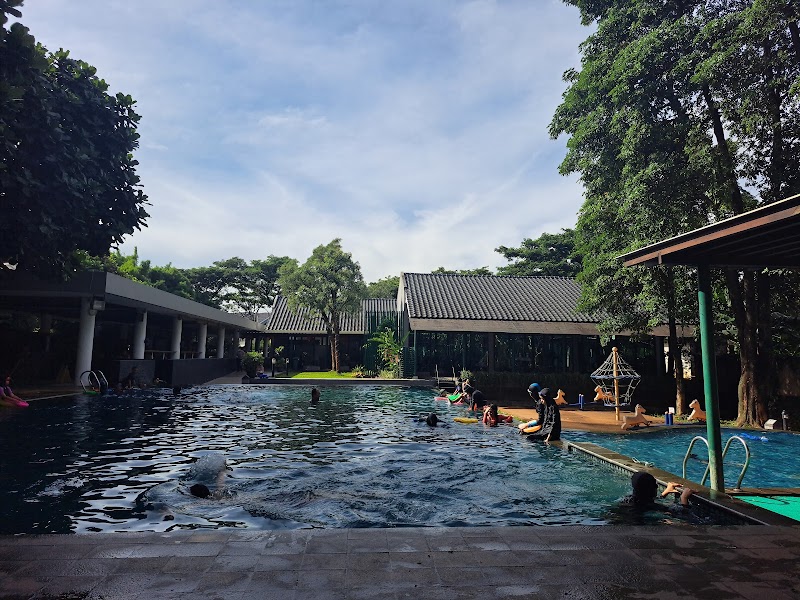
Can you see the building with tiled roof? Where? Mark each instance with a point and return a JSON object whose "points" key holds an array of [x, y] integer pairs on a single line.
{"points": [[305, 337], [501, 323], [500, 304], [455, 322]]}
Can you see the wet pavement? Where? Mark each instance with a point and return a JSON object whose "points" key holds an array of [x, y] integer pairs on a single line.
{"points": [[605, 562]]}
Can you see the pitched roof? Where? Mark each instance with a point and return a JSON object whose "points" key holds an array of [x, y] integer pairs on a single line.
{"points": [[283, 320], [493, 298]]}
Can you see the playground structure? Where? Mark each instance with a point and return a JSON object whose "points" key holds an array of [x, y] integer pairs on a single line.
{"points": [[616, 381]]}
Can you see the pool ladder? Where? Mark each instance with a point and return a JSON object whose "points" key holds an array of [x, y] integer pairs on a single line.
{"points": [[94, 382], [724, 452]]}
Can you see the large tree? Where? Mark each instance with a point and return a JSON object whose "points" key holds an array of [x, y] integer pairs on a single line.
{"points": [[236, 285], [67, 174], [677, 109], [384, 288], [329, 284], [549, 254]]}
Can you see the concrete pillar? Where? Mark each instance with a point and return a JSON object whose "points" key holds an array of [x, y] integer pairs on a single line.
{"points": [[235, 340], [221, 342], [661, 369], [139, 335], [83, 359], [202, 334], [177, 330]]}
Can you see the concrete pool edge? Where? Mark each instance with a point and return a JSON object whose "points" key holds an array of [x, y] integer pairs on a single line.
{"points": [[715, 500]]}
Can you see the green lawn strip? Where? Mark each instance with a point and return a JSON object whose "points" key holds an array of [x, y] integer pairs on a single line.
{"points": [[317, 375]]}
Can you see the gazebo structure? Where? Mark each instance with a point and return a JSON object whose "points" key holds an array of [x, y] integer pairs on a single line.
{"points": [[765, 237]]}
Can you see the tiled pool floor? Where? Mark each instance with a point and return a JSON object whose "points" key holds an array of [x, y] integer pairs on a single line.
{"points": [[753, 562]]}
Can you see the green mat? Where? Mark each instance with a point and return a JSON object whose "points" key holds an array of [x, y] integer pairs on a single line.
{"points": [[788, 506]]}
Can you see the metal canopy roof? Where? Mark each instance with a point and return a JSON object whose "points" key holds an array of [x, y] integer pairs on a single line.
{"points": [[765, 237]]}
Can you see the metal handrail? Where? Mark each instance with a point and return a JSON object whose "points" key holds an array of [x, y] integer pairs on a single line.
{"points": [[689, 451], [724, 452]]}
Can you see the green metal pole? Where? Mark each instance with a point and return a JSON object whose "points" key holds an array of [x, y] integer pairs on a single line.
{"points": [[704, 301]]}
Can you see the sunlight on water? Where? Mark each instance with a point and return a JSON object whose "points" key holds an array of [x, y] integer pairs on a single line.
{"points": [[360, 458]]}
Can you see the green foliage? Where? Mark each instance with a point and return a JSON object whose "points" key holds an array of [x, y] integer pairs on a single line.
{"points": [[251, 362], [384, 288], [67, 174], [478, 271], [389, 350], [236, 285], [329, 284], [675, 109], [549, 254], [465, 374]]}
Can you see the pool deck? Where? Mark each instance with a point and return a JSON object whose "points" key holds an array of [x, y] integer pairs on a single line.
{"points": [[610, 562], [754, 562]]}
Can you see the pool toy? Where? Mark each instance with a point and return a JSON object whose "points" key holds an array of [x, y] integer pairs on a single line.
{"points": [[465, 420], [533, 429], [750, 436], [561, 398], [697, 412], [636, 419], [442, 398], [13, 402]]}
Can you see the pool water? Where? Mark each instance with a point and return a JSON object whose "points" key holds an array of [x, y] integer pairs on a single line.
{"points": [[359, 458], [774, 455]]}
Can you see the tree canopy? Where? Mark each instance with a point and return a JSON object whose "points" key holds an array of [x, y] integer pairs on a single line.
{"points": [[677, 111], [67, 173], [329, 284], [384, 288], [549, 254]]}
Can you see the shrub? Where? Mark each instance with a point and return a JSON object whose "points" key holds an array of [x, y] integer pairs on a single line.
{"points": [[251, 362]]}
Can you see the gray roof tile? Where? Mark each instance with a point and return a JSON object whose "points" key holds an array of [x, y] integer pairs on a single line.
{"points": [[493, 297], [284, 320]]}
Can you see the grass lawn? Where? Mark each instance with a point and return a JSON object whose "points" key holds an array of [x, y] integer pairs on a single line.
{"points": [[316, 375]]}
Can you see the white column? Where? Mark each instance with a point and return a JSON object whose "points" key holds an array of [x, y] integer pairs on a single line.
{"points": [[177, 329], [202, 334], [139, 335], [83, 359], [221, 343]]}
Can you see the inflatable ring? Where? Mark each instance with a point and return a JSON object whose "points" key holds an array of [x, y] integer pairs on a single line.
{"points": [[533, 429]]}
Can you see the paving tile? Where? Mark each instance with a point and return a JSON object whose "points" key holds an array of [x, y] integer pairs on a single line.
{"points": [[234, 563], [321, 580], [273, 580], [224, 580], [278, 562], [70, 586], [375, 561], [188, 564], [411, 560], [401, 540], [328, 544], [378, 543], [324, 561]]}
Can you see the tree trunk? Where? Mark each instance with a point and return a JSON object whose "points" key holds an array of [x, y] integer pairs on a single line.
{"points": [[766, 366], [752, 410], [742, 294], [335, 348]]}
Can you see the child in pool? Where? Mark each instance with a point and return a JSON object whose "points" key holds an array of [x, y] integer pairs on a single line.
{"points": [[492, 418]]}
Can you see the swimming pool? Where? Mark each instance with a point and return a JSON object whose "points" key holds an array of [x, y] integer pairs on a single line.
{"points": [[360, 458], [774, 460]]}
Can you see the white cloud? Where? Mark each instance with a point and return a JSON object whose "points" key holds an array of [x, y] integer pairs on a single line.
{"points": [[415, 131]]}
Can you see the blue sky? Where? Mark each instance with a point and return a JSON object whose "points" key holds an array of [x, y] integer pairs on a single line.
{"points": [[416, 131]]}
